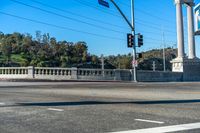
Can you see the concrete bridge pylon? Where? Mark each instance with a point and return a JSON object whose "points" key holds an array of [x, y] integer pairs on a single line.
{"points": [[183, 63]]}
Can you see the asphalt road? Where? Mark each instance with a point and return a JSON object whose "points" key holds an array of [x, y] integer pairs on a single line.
{"points": [[90, 107]]}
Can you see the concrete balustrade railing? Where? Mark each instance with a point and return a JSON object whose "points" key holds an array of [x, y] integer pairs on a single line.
{"points": [[52, 73], [96, 74], [92, 74], [14, 72], [56, 73]]}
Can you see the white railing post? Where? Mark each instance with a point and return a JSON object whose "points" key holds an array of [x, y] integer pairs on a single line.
{"points": [[117, 74], [74, 73], [31, 72]]}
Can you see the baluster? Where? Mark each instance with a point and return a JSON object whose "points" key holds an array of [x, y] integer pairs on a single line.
{"points": [[65, 72], [26, 71], [54, 71], [48, 71], [81, 72]]}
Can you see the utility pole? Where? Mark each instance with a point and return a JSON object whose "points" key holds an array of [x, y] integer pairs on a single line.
{"points": [[102, 65], [164, 62], [154, 66]]}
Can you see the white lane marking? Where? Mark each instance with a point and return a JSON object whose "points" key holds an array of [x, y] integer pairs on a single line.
{"points": [[2, 104], [53, 109], [165, 129], [150, 121]]}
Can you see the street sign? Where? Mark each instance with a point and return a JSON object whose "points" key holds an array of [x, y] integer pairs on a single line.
{"points": [[104, 3], [197, 19], [135, 63]]}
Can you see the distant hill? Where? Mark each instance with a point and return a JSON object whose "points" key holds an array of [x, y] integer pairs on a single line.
{"points": [[145, 63]]}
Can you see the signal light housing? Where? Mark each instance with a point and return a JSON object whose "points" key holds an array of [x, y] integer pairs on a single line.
{"points": [[140, 40], [130, 40]]}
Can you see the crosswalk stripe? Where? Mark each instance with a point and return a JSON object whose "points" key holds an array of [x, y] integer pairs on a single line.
{"points": [[165, 129]]}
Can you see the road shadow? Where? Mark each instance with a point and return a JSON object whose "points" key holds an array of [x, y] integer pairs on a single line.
{"points": [[80, 103]]}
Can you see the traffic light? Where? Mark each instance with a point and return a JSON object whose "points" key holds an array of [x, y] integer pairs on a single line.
{"points": [[130, 40], [139, 55], [140, 40]]}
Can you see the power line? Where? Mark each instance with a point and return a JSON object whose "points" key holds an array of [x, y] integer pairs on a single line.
{"points": [[146, 13], [60, 27], [88, 5], [139, 21], [69, 18], [154, 16], [154, 27], [88, 2], [69, 28], [155, 33], [82, 16]]}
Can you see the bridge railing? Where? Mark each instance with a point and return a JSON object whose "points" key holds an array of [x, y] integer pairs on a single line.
{"points": [[56, 73], [52, 73], [96, 74], [87, 74], [13, 72]]}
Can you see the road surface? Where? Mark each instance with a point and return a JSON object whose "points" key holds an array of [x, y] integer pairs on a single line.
{"points": [[99, 107]]}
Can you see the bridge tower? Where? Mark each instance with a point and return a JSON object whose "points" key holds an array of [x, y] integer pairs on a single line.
{"points": [[182, 63]]}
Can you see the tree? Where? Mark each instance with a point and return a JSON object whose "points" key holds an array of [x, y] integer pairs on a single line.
{"points": [[6, 48], [38, 36]]}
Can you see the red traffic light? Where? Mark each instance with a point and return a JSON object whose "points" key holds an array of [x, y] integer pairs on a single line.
{"points": [[130, 40]]}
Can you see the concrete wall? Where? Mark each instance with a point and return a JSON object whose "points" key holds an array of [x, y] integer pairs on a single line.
{"points": [[191, 70], [158, 76]]}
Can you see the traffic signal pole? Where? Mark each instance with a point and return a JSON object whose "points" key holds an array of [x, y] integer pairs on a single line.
{"points": [[132, 26], [134, 46], [120, 11]]}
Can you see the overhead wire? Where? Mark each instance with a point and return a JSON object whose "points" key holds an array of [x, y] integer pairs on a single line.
{"points": [[139, 21], [60, 27], [76, 14], [69, 18], [103, 22], [94, 7], [65, 16]]}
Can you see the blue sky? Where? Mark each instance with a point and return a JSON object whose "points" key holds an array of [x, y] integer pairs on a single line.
{"points": [[102, 28]]}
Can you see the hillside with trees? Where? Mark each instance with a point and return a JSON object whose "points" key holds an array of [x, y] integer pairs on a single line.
{"points": [[145, 63], [45, 51]]}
